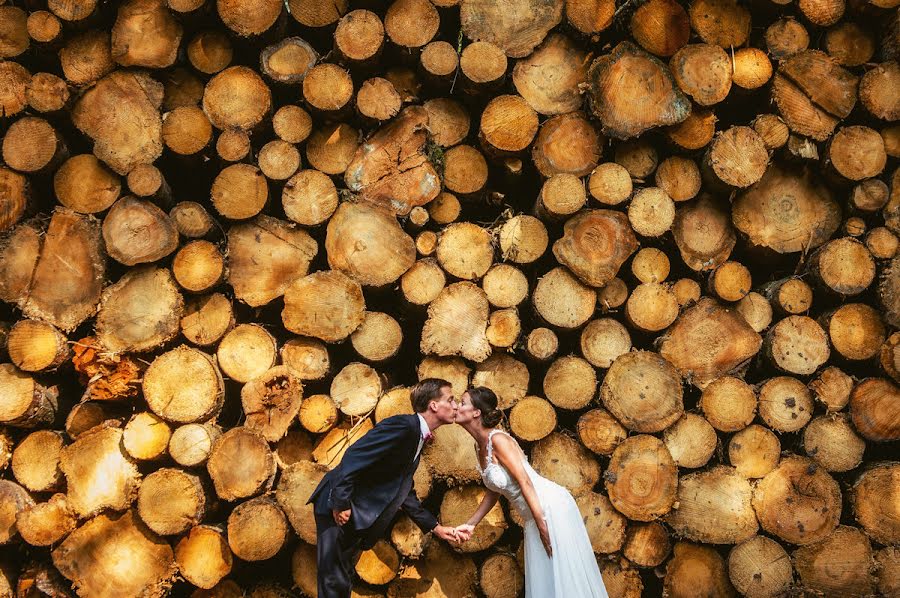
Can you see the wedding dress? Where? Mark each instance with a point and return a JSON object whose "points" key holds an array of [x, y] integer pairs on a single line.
{"points": [[572, 572]]}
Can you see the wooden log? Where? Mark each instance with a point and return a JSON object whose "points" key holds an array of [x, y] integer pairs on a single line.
{"points": [[246, 352], [594, 245], [131, 219], [728, 403], [638, 157], [723, 353], [146, 437], [465, 170], [32, 145], [651, 307], [873, 88], [691, 441], [190, 444], [449, 123], [309, 198], [316, 14], [563, 460], [871, 498], [30, 274], [210, 51], [422, 283], [233, 145], [646, 544], [86, 58], [797, 345], [356, 389], [872, 409], [462, 334], [330, 449], [516, 27], [567, 144], [695, 131], [532, 418], [721, 22], [27, 403], [240, 464], [687, 291], [130, 44], [333, 320], [297, 482], [603, 341], [440, 568], [849, 554], [590, 16], [752, 68], [183, 385], [506, 376], [505, 286], [702, 71], [679, 177], [15, 500], [43, 26], [605, 526], [737, 157], [629, 68], [661, 390], [754, 451], [651, 212], [379, 564], [501, 576], [857, 153], [392, 169], [562, 300], [203, 556], [759, 566], [46, 523], [731, 281], [549, 78], [99, 452], [236, 97], [798, 517], [257, 529], [541, 344], [366, 243], [785, 404], [610, 184], [292, 123], [171, 501], [642, 478], [523, 239], [648, 30], [703, 233], [35, 461], [150, 561], [186, 130], [378, 100], [319, 414], [772, 129], [271, 401], [161, 309], [34, 345], [890, 356], [239, 192], [696, 568], [650, 265], [600, 432], [207, 318]]}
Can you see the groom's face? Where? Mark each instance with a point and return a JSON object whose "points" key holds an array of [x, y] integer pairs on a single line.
{"points": [[445, 406]]}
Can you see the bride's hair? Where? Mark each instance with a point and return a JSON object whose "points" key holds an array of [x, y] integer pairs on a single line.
{"points": [[483, 398]]}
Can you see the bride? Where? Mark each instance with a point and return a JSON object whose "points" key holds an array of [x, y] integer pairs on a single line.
{"points": [[559, 561]]}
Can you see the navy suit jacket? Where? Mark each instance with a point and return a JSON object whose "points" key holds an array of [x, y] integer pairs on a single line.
{"points": [[371, 477]]}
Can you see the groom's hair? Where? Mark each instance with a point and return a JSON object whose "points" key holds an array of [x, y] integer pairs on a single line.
{"points": [[425, 391]]}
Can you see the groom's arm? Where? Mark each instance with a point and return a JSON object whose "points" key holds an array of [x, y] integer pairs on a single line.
{"points": [[365, 452], [419, 514]]}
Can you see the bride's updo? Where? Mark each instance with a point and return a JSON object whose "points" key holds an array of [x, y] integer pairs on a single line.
{"points": [[484, 399]]}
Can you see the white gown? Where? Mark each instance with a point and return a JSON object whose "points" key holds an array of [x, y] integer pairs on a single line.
{"points": [[572, 572]]}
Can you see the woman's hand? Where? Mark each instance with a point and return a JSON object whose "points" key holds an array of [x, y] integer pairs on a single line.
{"points": [[544, 531], [464, 532]]}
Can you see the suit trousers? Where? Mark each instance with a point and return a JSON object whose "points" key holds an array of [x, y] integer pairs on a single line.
{"points": [[338, 549]]}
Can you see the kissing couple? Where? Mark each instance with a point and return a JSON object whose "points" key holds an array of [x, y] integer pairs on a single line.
{"points": [[357, 501]]}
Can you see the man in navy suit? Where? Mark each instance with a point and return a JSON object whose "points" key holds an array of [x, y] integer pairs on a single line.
{"points": [[357, 501]]}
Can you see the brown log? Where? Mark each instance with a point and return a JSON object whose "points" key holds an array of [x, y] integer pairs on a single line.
{"points": [[87, 57], [210, 51], [458, 505], [873, 91], [161, 306], [150, 561], [603, 341], [136, 231], [516, 27], [626, 73], [203, 556], [703, 233], [550, 76], [752, 68], [207, 319], [359, 36], [590, 16], [35, 461], [772, 129], [651, 212], [731, 281], [191, 444], [440, 569], [714, 507], [257, 529], [721, 22], [240, 464], [600, 432], [239, 192], [754, 451], [695, 131], [171, 501], [523, 239], [146, 437], [27, 403], [43, 26], [595, 244], [563, 460], [848, 553], [679, 177], [449, 124], [501, 576], [873, 411], [610, 184], [691, 441], [785, 404], [34, 345], [398, 175], [233, 145], [567, 143], [642, 478], [46, 523], [728, 403], [646, 544], [759, 566], [805, 221], [265, 257], [850, 44], [660, 387], [702, 71], [15, 78], [423, 282], [292, 123], [183, 385], [562, 300], [316, 13], [857, 153], [696, 568], [366, 243], [873, 505]]}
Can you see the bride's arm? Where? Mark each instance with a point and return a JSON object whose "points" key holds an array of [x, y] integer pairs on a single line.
{"points": [[509, 456], [487, 503]]}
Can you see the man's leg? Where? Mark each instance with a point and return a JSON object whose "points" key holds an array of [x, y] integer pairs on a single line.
{"points": [[337, 549]]}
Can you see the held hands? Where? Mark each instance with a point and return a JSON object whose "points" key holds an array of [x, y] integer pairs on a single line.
{"points": [[341, 517], [448, 534], [464, 532]]}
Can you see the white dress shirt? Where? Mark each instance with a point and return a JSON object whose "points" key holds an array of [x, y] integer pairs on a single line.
{"points": [[425, 431]]}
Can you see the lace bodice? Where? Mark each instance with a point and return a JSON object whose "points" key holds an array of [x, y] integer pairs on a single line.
{"points": [[498, 479]]}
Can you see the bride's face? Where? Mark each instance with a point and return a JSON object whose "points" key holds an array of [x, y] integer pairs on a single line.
{"points": [[467, 411]]}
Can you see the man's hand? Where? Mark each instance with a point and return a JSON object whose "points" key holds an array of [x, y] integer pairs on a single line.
{"points": [[448, 534], [341, 517]]}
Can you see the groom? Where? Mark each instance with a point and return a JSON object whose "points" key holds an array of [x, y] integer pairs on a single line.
{"points": [[356, 501]]}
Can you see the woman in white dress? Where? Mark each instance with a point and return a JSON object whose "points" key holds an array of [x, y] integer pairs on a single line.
{"points": [[559, 560]]}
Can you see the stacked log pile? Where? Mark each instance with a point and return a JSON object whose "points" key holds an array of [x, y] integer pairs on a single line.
{"points": [[235, 232]]}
